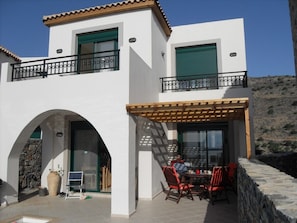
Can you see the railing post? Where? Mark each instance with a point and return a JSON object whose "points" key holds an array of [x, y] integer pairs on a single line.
{"points": [[12, 76], [117, 59], [245, 84], [43, 71], [162, 88], [78, 63]]}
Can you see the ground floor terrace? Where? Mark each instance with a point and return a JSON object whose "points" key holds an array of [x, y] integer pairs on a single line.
{"points": [[98, 209], [133, 155]]}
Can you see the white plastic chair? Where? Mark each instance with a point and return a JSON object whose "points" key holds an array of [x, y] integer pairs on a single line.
{"points": [[74, 183]]}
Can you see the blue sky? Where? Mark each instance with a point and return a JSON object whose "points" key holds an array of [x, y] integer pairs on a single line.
{"points": [[269, 46]]}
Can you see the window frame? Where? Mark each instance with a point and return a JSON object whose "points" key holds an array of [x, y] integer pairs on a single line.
{"points": [[195, 82], [196, 54], [98, 61], [207, 152]]}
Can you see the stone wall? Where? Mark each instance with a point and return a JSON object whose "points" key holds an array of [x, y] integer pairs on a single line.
{"points": [[265, 194], [30, 165]]}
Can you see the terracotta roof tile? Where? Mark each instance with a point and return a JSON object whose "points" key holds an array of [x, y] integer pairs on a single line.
{"points": [[118, 7], [9, 53]]}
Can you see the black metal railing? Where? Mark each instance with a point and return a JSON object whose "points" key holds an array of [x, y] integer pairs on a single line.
{"points": [[200, 82], [74, 64]]}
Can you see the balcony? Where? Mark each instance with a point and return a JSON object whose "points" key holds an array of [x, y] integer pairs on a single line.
{"points": [[74, 64], [109, 61], [202, 82]]}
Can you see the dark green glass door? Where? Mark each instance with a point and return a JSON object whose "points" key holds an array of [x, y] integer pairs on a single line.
{"points": [[84, 154], [98, 51]]}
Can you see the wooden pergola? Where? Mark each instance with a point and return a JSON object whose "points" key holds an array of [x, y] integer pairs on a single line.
{"points": [[197, 111]]}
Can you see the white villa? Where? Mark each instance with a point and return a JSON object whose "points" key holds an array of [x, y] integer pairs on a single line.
{"points": [[120, 94]]}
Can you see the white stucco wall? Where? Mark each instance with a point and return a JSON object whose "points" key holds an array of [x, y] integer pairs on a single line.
{"points": [[144, 87], [133, 24], [90, 96], [159, 40], [227, 34], [206, 94]]}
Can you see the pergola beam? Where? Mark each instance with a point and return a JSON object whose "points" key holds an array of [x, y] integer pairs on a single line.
{"points": [[197, 111], [191, 111]]}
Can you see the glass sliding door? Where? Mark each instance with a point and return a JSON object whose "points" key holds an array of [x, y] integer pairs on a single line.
{"points": [[89, 154], [104, 55], [194, 147], [98, 51], [202, 148], [215, 147], [84, 154]]}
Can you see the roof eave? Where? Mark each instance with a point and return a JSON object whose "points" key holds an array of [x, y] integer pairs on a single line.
{"points": [[9, 54], [108, 10]]}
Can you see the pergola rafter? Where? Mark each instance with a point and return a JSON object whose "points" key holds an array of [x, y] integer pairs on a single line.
{"points": [[196, 111], [191, 111]]}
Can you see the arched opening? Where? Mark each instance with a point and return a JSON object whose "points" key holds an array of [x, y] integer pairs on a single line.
{"points": [[66, 141]]}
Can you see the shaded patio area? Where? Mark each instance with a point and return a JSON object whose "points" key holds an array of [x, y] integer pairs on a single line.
{"points": [[97, 209]]}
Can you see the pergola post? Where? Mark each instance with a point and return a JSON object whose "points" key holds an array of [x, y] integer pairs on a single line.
{"points": [[247, 132]]}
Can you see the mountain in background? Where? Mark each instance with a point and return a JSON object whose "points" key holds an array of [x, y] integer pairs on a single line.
{"points": [[275, 113]]}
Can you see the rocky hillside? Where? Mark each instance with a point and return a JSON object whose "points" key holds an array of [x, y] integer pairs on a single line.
{"points": [[275, 113]]}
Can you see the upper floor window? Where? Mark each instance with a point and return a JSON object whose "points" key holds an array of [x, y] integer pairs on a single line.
{"points": [[196, 66], [98, 51]]}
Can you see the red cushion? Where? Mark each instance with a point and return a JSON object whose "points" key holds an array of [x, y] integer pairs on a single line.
{"points": [[216, 188], [182, 186]]}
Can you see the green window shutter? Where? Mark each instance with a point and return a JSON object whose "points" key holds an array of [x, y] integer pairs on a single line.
{"points": [[196, 60], [101, 36]]}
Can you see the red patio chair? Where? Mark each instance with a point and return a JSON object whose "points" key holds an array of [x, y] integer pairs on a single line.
{"points": [[232, 174], [174, 183], [217, 186]]}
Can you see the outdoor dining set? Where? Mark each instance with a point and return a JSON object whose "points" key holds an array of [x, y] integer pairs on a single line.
{"points": [[212, 185]]}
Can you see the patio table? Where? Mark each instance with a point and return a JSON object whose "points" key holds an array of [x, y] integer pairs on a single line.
{"points": [[197, 180]]}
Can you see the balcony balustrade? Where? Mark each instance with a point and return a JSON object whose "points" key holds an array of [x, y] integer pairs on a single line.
{"points": [[200, 82], [74, 64], [109, 60]]}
